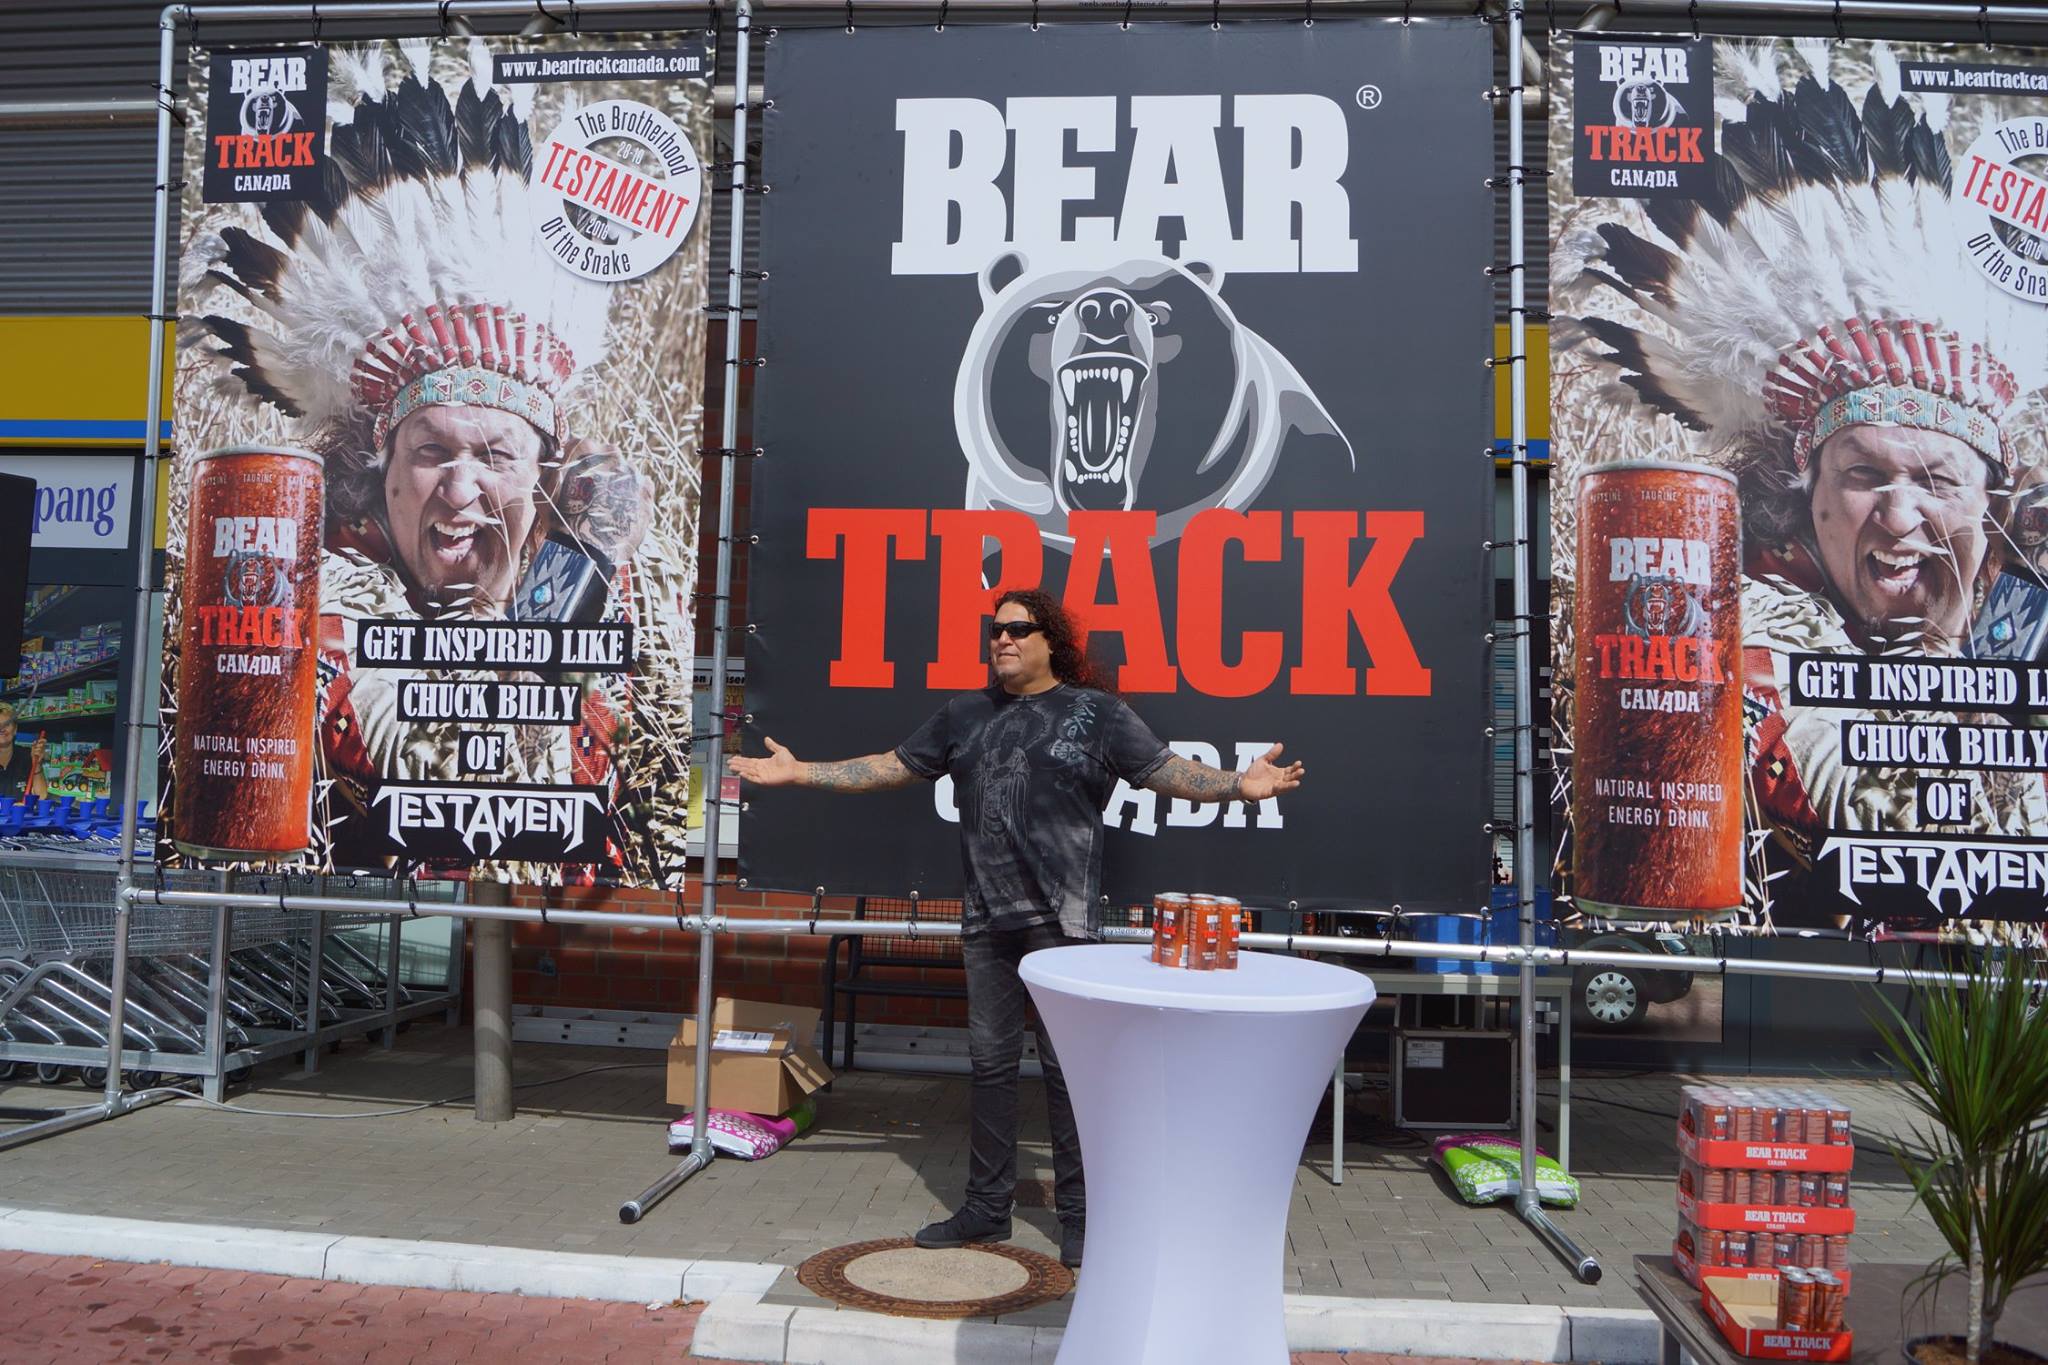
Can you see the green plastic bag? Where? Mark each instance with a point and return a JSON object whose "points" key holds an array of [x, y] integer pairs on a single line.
{"points": [[1485, 1169]]}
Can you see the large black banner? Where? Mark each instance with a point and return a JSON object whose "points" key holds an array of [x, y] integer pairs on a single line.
{"points": [[1188, 325]]}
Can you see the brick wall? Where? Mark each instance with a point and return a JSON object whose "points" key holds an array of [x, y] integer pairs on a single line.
{"points": [[655, 969]]}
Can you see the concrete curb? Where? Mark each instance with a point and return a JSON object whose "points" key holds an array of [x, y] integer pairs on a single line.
{"points": [[739, 1326], [382, 1260]]}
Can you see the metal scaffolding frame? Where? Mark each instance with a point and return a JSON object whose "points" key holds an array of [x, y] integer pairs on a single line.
{"points": [[1524, 955]]}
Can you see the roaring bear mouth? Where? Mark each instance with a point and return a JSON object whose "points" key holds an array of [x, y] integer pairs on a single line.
{"points": [[1099, 394]]}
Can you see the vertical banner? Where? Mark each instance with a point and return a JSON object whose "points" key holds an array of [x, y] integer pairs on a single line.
{"points": [[1147, 315], [1800, 516], [433, 517]]}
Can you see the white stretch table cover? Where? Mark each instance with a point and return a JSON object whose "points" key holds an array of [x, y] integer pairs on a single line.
{"points": [[1193, 1092]]}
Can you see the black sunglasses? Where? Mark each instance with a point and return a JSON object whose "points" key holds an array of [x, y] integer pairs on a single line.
{"points": [[1016, 630]]}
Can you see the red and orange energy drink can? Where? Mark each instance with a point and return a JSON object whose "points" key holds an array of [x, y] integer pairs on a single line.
{"points": [[1169, 927], [242, 747], [1657, 761]]}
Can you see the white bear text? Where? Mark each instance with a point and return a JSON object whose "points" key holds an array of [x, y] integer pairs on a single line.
{"points": [[1175, 171]]}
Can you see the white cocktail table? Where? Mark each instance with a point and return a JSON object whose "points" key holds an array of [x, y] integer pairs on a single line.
{"points": [[1193, 1092]]}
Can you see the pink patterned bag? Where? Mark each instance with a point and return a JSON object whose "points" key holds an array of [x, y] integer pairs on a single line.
{"points": [[747, 1136]]}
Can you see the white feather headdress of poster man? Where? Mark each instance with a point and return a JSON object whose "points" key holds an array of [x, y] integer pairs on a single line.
{"points": [[409, 325]]}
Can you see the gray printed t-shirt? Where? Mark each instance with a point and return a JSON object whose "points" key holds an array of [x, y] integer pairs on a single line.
{"points": [[1031, 776]]}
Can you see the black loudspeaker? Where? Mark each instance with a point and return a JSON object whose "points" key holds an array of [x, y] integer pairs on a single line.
{"points": [[1454, 1078], [17, 513]]}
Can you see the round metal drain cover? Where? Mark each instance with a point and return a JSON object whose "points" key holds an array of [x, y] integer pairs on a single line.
{"points": [[902, 1279]]}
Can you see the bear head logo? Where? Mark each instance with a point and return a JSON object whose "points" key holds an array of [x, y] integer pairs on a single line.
{"points": [[1129, 387]]}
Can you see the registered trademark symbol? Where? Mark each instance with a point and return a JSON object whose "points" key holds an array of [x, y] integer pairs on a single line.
{"points": [[1369, 97]]}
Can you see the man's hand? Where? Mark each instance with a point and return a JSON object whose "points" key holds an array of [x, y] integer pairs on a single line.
{"points": [[779, 769], [1264, 778], [1192, 781], [37, 750]]}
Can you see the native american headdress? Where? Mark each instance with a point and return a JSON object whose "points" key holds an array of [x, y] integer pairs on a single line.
{"points": [[414, 275], [1820, 284]]}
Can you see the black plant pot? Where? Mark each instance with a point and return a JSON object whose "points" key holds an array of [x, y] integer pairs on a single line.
{"points": [[1913, 1345]]}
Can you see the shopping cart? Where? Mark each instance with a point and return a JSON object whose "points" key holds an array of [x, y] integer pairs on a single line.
{"points": [[283, 974]]}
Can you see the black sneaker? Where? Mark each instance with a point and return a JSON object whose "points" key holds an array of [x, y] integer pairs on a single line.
{"points": [[963, 1228], [1071, 1237]]}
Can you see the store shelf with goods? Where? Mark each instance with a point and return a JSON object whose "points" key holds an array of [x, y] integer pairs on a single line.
{"points": [[56, 610], [102, 668], [49, 603], [64, 719]]}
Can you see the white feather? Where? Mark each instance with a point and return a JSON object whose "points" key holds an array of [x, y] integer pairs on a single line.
{"points": [[1937, 108], [522, 100], [1757, 64], [419, 55], [1815, 52], [362, 68], [480, 66], [203, 255], [1886, 63]]}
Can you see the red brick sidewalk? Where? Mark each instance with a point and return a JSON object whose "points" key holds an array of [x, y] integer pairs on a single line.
{"points": [[72, 1310]]}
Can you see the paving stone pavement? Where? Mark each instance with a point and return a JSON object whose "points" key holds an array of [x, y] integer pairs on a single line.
{"points": [[889, 1154], [69, 1310], [65, 1310]]}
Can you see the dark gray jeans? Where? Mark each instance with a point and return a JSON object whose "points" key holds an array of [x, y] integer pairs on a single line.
{"points": [[996, 1005]]}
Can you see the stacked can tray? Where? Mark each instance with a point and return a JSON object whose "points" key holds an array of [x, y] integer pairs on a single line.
{"points": [[1763, 1189]]}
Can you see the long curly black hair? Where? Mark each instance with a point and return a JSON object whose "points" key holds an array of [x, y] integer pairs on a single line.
{"points": [[1070, 661]]}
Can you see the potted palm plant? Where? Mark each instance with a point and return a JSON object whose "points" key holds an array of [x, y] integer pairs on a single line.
{"points": [[1976, 1072]]}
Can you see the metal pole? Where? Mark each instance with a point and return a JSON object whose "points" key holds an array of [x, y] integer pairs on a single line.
{"points": [[1938, 12], [491, 1031], [1512, 954], [81, 1118], [152, 436], [316, 972], [1528, 1204], [633, 1210], [459, 9], [701, 1150], [217, 1003], [1895, 11], [1337, 1124], [394, 927]]}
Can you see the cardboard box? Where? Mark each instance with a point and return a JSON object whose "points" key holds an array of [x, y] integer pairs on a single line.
{"points": [[762, 1061], [1746, 1312], [1766, 1218], [1695, 1274], [1760, 1156]]}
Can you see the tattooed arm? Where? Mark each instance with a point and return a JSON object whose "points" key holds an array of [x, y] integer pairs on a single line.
{"points": [[874, 773], [1192, 781]]}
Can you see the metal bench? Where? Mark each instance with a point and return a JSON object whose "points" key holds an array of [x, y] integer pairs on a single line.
{"points": [[865, 953]]}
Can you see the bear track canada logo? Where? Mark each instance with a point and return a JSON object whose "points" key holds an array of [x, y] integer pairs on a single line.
{"points": [[1129, 387]]}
